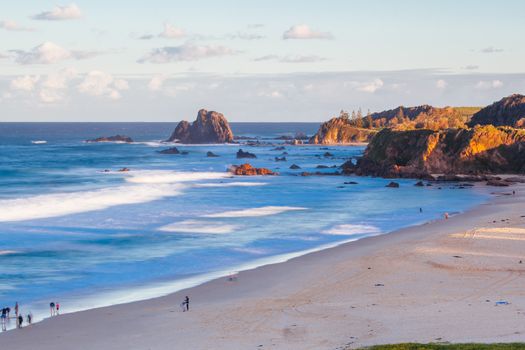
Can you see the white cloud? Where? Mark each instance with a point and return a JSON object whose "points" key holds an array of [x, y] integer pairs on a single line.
{"points": [[156, 82], [48, 53], [485, 85], [291, 58], [60, 13], [245, 36], [441, 84], [371, 86], [302, 31], [491, 49], [171, 32], [14, 27], [186, 52], [97, 83], [25, 83]]}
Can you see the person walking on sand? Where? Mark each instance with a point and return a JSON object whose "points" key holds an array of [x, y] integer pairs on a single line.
{"points": [[20, 320], [29, 318], [52, 308], [58, 308], [16, 309]]}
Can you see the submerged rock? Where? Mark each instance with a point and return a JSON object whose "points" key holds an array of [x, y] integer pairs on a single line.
{"points": [[295, 167], [393, 185], [172, 150], [210, 154], [115, 138], [282, 159], [209, 127], [242, 154], [247, 169]]}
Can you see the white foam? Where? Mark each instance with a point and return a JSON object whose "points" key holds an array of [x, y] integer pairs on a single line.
{"points": [[232, 184], [351, 230], [166, 176], [39, 142], [193, 226], [254, 212], [8, 252], [143, 186]]}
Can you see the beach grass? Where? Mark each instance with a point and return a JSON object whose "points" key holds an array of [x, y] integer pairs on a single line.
{"points": [[435, 346]]}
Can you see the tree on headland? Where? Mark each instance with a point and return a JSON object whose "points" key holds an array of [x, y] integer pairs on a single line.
{"points": [[344, 115], [369, 120]]}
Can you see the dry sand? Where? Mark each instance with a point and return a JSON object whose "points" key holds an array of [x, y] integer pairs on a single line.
{"points": [[434, 282]]}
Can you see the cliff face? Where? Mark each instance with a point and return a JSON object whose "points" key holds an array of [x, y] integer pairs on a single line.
{"points": [[509, 111], [209, 127], [339, 130], [418, 153], [422, 117]]}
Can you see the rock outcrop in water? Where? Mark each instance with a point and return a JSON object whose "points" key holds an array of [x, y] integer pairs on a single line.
{"points": [[172, 150], [209, 127], [247, 169], [420, 153], [509, 111], [115, 138], [340, 131], [243, 154]]}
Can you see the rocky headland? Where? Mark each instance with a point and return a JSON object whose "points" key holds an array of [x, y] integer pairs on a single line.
{"points": [[209, 127], [341, 131], [509, 111], [421, 153]]}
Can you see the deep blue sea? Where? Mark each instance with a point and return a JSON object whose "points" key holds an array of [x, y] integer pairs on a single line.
{"points": [[73, 233]]}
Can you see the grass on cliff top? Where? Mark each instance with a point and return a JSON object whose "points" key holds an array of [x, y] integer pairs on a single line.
{"points": [[468, 346]]}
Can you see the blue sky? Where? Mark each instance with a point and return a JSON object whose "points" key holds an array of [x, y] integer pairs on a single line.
{"points": [[253, 60]]}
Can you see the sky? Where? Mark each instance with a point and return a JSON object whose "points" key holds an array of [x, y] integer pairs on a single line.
{"points": [[163, 60]]}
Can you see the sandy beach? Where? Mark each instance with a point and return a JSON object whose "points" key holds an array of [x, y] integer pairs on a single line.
{"points": [[438, 282]]}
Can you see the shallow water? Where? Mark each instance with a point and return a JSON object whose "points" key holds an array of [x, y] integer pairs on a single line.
{"points": [[71, 232]]}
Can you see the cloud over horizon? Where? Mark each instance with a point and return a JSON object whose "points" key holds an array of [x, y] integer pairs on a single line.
{"points": [[60, 13], [185, 52], [302, 31], [49, 53]]}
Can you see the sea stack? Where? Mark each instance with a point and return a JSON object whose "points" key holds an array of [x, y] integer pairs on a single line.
{"points": [[209, 127]]}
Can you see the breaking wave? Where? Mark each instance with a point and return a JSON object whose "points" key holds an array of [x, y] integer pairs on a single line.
{"points": [[254, 212]]}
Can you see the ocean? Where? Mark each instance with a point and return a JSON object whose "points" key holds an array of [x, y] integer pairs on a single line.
{"points": [[75, 230]]}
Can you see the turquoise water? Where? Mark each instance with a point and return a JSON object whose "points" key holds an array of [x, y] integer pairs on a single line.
{"points": [[71, 232]]}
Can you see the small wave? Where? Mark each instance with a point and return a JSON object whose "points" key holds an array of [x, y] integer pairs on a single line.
{"points": [[166, 177], [8, 252], [194, 226], [38, 142], [351, 230], [253, 251], [232, 184], [143, 186], [253, 212]]}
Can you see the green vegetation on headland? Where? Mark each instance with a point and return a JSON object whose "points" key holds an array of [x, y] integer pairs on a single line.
{"points": [[467, 346]]}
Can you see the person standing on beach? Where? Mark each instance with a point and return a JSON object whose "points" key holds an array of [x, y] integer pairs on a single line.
{"points": [[16, 309], [4, 316], [58, 308], [29, 318], [52, 308], [186, 304], [19, 320]]}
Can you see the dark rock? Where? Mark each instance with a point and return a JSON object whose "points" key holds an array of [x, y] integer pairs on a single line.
{"points": [[282, 159], [328, 154], [209, 127], [115, 138], [172, 150], [295, 167], [242, 154], [393, 185], [350, 183], [419, 184], [498, 183], [124, 170], [322, 167], [210, 154]]}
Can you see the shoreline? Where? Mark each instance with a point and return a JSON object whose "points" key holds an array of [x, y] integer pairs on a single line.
{"points": [[219, 291]]}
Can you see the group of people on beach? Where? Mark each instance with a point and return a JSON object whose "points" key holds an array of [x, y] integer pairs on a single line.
{"points": [[19, 318], [54, 308]]}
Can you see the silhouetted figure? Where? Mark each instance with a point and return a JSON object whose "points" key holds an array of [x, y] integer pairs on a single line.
{"points": [[52, 308], [4, 319], [20, 320], [16, 309], [420, 210], [29, 318], [186, 304]]}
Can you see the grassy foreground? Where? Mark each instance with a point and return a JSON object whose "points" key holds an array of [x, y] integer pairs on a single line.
{"points": [[469, 346]]}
